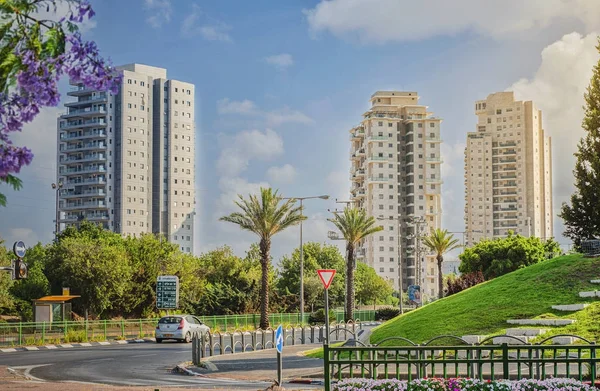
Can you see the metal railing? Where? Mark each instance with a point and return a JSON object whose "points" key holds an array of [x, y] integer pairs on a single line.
{"points": [[41, 333], [400, 358], [216, 343]]}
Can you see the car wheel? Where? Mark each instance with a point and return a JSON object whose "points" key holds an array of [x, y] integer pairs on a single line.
{"points": [[158, 340], [188, 338]]}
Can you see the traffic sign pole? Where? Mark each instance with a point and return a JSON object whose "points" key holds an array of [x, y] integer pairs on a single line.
{"points": [[279, 347], [326, 276]]}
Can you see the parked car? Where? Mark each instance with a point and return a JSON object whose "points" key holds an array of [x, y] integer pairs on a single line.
{"points": [[179, 327]]}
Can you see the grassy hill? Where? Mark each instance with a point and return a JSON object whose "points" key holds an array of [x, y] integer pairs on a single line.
{"points": [[526, 293]]}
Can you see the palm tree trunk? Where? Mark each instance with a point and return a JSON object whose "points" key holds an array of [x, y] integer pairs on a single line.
{"points": [[440, 259], [265, 249], [350, 283]]}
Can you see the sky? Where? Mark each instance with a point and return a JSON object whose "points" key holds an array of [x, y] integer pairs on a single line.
{"points": [[280, 83]]}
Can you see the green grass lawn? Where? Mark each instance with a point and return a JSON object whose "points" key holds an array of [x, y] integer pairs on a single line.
{"points": [[525, 293]]}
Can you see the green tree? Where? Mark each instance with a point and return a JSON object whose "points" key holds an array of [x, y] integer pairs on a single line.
{"points": [[503, 255], [94, 263], [316, 256], [354, 225], [440, 242], [582, 215], [265, 217], [370, 287]]}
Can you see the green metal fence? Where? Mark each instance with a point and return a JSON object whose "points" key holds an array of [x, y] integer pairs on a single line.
{"points": [[31, 333], [502, 361]]}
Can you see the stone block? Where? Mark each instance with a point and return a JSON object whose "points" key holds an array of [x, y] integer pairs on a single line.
{"points": [[525, 332], [516, 340], [569, 307], [587, 294], [563, 340], [473, 339]]}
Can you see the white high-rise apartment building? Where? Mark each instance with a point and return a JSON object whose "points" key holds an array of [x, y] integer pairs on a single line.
{"points": [[127, 161], [396, 177], [508, 171]]}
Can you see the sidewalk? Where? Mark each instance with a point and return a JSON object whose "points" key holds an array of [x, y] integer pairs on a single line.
{"points": [[262, 365]]}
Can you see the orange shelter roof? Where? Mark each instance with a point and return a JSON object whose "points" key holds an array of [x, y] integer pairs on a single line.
{"points": [[56, 298]]}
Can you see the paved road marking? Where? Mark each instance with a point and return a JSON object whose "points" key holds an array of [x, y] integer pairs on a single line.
{"points": [[121, 342], [31, 348], [66, 345], [51, 347], [85, 344], [144, 355], [8, 350], [104, 343], [27, 371]]}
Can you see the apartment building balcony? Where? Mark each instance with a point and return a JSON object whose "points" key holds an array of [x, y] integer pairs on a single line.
{"points": [[505, 218], [86, 181], [356, 134], [434, 181], [505, 209], [101, 133], [361, 193], [504, 145], [85, 112], [503, 200], [505, 225], [504, 161], [81, 170], [498, 152], [82, 123], [87, 100], [99, 204], [81, 159], [80, 90], [504, 177], [84, 216], [84, 147], [433, 139], [433, 160], [84, 193], [504, 193], [360, 172], [503, 168]]}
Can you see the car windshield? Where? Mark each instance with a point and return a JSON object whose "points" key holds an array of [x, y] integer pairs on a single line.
{"points": [[170, 320]]}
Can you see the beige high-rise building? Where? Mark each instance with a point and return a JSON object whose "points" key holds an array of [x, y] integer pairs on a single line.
{"points": [[396, 177], [127, 160], [508, 171]]}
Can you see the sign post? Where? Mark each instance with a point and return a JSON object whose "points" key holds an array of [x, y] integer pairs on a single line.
{"points": [[167, 292], [326, 276], [279, 347]]}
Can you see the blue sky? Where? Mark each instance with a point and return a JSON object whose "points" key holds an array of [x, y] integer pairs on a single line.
{"points": [[279, 83]]}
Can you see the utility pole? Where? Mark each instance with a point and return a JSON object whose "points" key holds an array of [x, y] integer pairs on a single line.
{"points": [[57, 186]]}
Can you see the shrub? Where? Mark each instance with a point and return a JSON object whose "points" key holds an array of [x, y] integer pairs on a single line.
{"points": [[463, 282], [554, 384], [318, 317], [386, 313]]}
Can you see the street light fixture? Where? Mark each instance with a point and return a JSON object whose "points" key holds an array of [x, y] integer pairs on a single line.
{"points": [[57, 186], [301, 199]]}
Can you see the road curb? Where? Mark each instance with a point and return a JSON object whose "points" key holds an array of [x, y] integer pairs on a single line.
{"points": [[74, 345]]}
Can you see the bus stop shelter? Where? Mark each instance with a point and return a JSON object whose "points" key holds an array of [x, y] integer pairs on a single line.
{"points": [[53, 308]]}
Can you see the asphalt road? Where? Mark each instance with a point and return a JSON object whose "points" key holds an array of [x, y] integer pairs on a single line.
{"points": [[146, 364]]}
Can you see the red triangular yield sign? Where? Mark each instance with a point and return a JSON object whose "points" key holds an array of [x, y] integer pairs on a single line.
{"points": [[326, 276]]}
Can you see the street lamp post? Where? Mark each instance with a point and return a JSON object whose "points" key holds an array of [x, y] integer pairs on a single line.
{"points": [[57, 186], [301, 199]]}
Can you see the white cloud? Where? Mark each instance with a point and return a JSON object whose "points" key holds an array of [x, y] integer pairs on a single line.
{"points": [[454, 157], [286, 115], [38, 135], [216, 31], [246, 146], [280, 61], [395, 20], [272, 118], [160, 10], [283, 174], [557, 88], [226, 106]]}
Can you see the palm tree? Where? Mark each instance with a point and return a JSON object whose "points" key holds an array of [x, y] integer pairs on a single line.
{"points": [[265, 217], [440, 241], [355, 225]]}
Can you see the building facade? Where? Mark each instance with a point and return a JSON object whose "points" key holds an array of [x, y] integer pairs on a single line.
{"points": [[508, 171], [396, 178], [127, 160]]}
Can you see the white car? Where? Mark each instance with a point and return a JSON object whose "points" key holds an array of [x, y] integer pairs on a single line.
{"points": [[179, 327]]}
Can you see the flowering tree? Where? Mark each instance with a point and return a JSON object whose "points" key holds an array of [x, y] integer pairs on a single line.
{"points": [[34, 54]]}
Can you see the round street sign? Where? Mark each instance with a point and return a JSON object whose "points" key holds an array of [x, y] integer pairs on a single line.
{"points": [[19, 249]]}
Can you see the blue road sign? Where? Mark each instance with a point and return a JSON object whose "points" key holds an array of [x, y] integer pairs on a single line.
{"points": [[279, 339], [19, 249]]}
